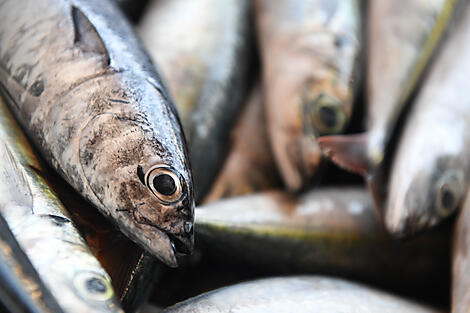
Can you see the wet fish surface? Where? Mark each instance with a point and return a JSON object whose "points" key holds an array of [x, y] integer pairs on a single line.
{"points": [[402, 35], [430, 171], [327, 230], [249, 166], [298, 294], [81, 85], [21, 288], [310, 52], [45, 230], [206, 63]]}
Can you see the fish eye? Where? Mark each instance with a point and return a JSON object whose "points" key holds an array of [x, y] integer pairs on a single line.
{"points": [[328, 115], [93, 286], [448, 195], [164, 183]]}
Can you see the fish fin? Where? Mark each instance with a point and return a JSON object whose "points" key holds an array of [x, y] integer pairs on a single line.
{"points": [[14, 187], [86, 36], [347, 151]]}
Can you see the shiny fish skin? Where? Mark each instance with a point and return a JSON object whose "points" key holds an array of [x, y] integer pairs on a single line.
{"points": [[310, 50], [327, 230], [249, 166], [21, 288], [79, 82], [206, 60], [44, 229], [430, 170], [298, 294]]}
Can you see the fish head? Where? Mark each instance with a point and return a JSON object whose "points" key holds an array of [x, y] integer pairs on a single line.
{"points": [[137, 172], [432, 194]]}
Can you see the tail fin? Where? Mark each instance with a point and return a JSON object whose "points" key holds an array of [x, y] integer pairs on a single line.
{"points": [[347, 151]]}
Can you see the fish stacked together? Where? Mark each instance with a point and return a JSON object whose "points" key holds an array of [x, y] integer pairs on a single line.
{"points": [[97, 182]]}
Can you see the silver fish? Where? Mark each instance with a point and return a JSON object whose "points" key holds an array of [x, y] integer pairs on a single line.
{"points": [[21, 288], [206, 61], [298, 294], [327, 230], [85, 91], [431, 168], [44, 229]]}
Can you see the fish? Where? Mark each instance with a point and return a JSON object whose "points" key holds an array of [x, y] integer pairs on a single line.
{"points": [[44, 229], [328, 230], [249, 166], [430, 170], [310, 51], [403, 36], [206, 63], [298, 294], [85, 91], [460, 261], [21, 288]]}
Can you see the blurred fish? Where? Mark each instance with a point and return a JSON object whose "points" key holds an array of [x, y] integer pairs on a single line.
{"points": [[310, 50], [79, 82], [133, 9], [328, 231], [298, 294], [402, 35], [206, 60], [21, 288], [431, 168], [249, 166], [44, 229], [461, 261]]}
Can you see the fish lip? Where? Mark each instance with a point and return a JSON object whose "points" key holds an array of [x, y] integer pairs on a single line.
{"points": [[160, 246]]}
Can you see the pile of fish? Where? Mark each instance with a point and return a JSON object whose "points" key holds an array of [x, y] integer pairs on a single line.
{"points": [[118, 118]]}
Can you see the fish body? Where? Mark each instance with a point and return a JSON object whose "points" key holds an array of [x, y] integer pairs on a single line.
{"points": [[430, 171], [310, 52], [45, 230], [249, 166], [327, 230], [21, 288], [206, 62], [82, 87], [402, 36], [297, 294]]}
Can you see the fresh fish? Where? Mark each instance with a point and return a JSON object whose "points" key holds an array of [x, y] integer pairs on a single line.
{"points": [[249, 166], [21, 288], [402, 37], [461, 261], [310, 50], [79, 82], [431, 168], [206, 61], [44, 229], [298, 294], [327, 230]]}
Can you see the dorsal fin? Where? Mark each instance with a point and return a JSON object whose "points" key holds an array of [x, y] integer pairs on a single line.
{"points": [[14, 187], [86, 36], [347, 151]]}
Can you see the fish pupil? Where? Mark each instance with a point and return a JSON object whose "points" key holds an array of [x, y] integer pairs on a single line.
{"points": [[164, 184], [328, 116], [448, 199], [95, 285]]}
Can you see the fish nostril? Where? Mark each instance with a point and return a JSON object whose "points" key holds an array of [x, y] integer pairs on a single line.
{"points": [[188, 227]]}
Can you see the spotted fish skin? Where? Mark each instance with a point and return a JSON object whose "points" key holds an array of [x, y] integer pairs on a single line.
{"points": [[85, 91]]}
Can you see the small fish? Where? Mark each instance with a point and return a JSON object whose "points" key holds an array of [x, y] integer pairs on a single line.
{"points": [[44, 229], [206, 61], [298, 294], [327, 230], [430, 171], [403, 36], [310, 51], [21, 288], [249, 166], [461, 261], [81, 85]]}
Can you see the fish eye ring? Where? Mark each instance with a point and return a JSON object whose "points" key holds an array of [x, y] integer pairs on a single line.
{"points": [[164, 183], [448, 196], [93, 286], [328, 117]]}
